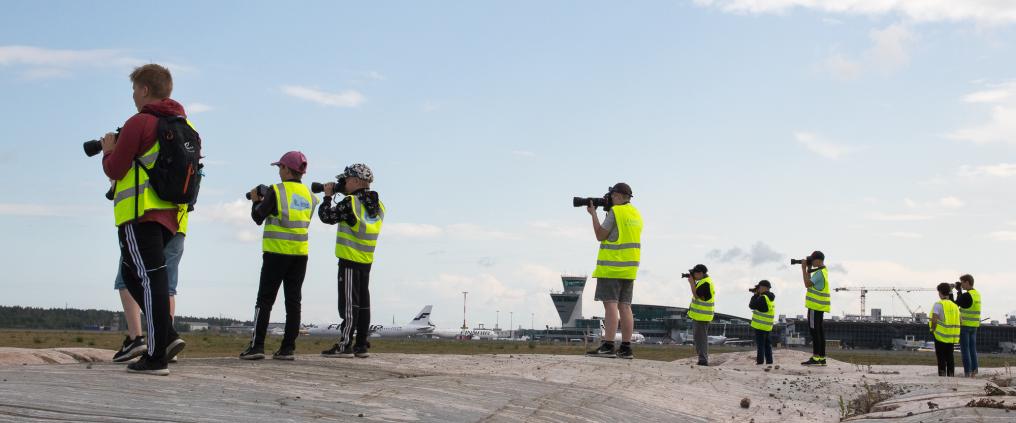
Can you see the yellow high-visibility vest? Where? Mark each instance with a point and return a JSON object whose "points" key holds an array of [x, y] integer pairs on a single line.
{"points": [[816, 299], [971, 317], [132, 195], [764, 321], [357, 243], [287, 231], [947, 329], [702, 310], [182, 217], [620, 259]]}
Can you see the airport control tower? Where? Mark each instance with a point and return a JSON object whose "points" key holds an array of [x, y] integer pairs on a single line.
{"points": [[569, 301]]}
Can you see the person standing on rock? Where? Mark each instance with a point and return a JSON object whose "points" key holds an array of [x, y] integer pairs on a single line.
{"points": [[817, 301], [763, 316], [359, 217], [945, 326], [617, 265], [970, 319], [701, 309], [286, 210]]}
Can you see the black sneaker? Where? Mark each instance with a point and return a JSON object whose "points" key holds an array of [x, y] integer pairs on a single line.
{"points": [[703, 363], [813, 362], [338, 351], [605, 350], [253, 353], [131, 349], [174, 348], [625, 352], [360, 351], [148, 366], [821, 362], [284, 354]]}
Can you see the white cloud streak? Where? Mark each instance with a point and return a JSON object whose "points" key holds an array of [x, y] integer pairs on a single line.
{"points": [[990, 12], [1000, 125], [1000, 170], [195, 108], [348, 98], [821, 146]]}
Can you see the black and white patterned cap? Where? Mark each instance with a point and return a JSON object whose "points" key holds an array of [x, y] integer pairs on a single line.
{"points": [[358, 170]]}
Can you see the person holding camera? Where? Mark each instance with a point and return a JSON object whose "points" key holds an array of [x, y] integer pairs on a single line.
{"points": [[145, 221], [617, 265], [763, 316], [134, 343], [970, 319], [701, 309], [817, 301], [945, 326], [359, 217], [286, 210]]}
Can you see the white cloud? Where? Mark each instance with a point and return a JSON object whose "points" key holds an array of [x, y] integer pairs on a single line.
{"points": [[842, 67], [375, 75], [994, 94], [412, 230], [821, 146], [475, 232], [195, 108], [348, 98], [1000, 170], [899, 217], [44, 63], [887, 54], [906, 235], [1000, 125], [235, 214], [978, 11], [30, 210], [951, 202], [1003, 235]]}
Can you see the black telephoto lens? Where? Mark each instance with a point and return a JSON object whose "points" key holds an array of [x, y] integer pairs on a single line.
{"points": [[317, 187], [796, 261], [92, 147], [262, 191], [686, 275]]}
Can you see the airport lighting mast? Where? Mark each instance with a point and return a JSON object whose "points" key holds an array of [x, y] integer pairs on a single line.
{"points": [[464, 293], [865, 289]]}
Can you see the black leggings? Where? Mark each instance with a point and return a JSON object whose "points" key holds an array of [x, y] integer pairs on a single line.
{"points": [[287, 271], [817, 332], [354, 302], [143, 267], [946, 359]]}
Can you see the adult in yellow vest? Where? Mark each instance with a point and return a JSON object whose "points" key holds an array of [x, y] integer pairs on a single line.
{"points": [[763, 317], [702, 309], [945, 326], [145, 222], [970, 319], [358, 217], [617, 265], [134, 343], [818, 302], [286, 210]]}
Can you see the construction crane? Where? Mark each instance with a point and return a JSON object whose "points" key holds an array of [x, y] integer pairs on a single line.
{"points": [[865, 289]]}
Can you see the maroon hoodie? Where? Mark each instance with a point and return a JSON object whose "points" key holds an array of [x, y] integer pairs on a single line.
{"points": [[136, 136]]}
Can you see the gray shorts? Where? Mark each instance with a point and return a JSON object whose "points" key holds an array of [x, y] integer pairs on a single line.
{"points": [[614, 290]]}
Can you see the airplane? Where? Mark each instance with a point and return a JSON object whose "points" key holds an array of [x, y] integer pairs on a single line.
{"points": [[474, 334], [636, 338], [420, 325], [723, 340]]}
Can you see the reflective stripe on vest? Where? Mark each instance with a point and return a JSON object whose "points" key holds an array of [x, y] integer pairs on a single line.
{"points": [[764, 321], [971, 317], [132, 195], [816, 299], [619, 259], [701, 310], [357, 243], [287, 232], [947, 329]]}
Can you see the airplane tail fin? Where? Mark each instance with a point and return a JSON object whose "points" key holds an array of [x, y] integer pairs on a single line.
{"points": [[423, 318]]}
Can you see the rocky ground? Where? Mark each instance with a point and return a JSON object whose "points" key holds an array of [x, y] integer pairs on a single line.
{"points": [[455, 388]]}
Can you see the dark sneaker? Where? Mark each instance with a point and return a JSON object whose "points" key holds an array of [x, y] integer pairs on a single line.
{"points": [[131, 349], [338, 351], [174, 348], [821, 362], [605, 350], [147, 366], [625, 352], [360, 352], [253, 353], [284, 354], [813, 362], [703, 363]]}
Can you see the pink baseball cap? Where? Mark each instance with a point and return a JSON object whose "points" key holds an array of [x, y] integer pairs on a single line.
{"points": [[294, 160]]}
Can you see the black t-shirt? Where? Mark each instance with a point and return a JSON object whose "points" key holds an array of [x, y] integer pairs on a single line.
{"points": [[702, 292]]}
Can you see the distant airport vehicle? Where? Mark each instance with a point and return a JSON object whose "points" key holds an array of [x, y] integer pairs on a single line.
{"points": [[420, 325]]}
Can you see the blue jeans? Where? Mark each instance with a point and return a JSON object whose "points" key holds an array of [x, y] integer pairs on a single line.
{"points": [[765, 347], [968, 349], [173, 252]]}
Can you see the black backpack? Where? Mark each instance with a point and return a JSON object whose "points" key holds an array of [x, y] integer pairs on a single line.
{"points": [[176, 174]]}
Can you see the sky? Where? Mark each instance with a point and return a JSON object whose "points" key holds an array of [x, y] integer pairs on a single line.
{"points": [[880, 132]]}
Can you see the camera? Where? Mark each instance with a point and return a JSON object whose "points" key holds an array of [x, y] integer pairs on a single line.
{"points": [[605, 202], [796, 261], [753, 290], [317, 187], [686, 275], [93, 147], [958, 286], [262, 191]]}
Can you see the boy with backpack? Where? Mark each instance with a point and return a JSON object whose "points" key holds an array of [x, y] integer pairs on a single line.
{"points": [[155, 163]]}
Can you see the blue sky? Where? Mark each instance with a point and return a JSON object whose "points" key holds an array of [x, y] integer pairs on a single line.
{"points": [[880, 132]]}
